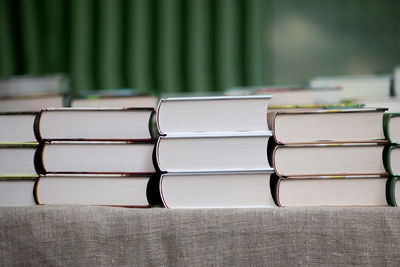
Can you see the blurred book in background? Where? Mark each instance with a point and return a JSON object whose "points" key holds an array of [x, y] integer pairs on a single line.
{"points": [[113, 98], [292, 96], [33, 93], [356, 86]]}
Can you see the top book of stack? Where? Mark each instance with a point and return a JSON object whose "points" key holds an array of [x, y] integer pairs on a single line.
{"points": [[223, 115]]}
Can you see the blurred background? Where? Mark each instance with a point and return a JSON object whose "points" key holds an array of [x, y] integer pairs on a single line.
{"points": [[162, 46]]}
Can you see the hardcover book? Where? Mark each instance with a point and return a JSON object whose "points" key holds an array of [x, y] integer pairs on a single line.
{"points": [[212, 153], [16, 159], [292, 94], [328, 126], [391, 127], [94, 124], [325, 191], [17, 191], [216, 190], [17, 127], [101, 189], [30, 103], [324, 159], [212, 115], [95, 157], [391, 159]]}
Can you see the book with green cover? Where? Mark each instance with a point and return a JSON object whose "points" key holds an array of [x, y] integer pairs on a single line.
{"points": [[391, 127], [391, 191], [391, 159]]}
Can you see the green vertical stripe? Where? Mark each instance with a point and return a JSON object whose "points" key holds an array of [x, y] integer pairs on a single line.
{"points": [[139, 38], [199, 45], [228, 44], [254, 35], [7, 66], [82, 43], [30, 37], [109, 41], [169, 46], [54, 44]]}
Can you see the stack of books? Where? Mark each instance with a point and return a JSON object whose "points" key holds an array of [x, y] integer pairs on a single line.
{"points": [[32, 93], [329, 157], [391, 156], [17, 148], [84, 156], [212, 152]]}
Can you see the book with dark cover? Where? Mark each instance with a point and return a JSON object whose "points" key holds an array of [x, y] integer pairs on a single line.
{"points": [[95, 158], [391, 127], [137, 190], [94, 124]]}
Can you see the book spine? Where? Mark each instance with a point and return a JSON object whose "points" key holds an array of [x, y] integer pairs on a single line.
{"points": [[386, 124], [153, 190], [155, 158], [38, 159], [35, 194], [387, 158], [390, 191], [36, 126], [150, 126], [274, 187]]}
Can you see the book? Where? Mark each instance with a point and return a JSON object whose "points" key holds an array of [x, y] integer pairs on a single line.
{"points": [[94, 124], [339, 191], [391, 127], [30, 103], [95, 157], [17, 127], [327, 126], [17, 191], [393, 191], [324, 159], [389, 102], [391, 159], [212, 115], [216, 190], [34, 85], [354, 86], [212, 153], [102, 189], [289, 95], [116, 98], [16, 159]]}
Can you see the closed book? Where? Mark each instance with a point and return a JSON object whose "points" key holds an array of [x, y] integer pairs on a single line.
{"points": [[391, 127], [30, 103], [391, 159], [325, 191], [285, 95], [207, 115], [104, 101], [94, 124], [328, 159], [16, 159], [17, 127], [327, 126], [212, 153], [393, 191], [101, 189], [95, 157], [216, 190], [17, 191]]}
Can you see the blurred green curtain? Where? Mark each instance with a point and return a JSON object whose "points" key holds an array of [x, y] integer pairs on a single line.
{"points": [[155, 46]]}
